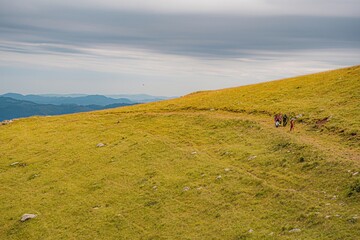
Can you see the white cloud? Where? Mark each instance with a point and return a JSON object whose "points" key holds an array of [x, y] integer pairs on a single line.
{"points": [[167, 74]]}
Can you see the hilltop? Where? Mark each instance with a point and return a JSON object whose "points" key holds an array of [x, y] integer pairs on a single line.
{"points": [[209, 165]]}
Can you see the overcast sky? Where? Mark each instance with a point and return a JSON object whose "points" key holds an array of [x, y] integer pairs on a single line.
{"points": [[168, 47]]}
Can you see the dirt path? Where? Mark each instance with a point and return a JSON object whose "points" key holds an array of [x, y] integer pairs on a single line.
{"points": [[328, 144]]}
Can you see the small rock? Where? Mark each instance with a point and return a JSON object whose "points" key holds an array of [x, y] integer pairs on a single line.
{"points": [[327, 216], [5, 122], [199, 188], [327, 204], [218, 177], [18, 164], [355, 173], [252, 157], [193, 153], [295, 230], [251, 231], [271, 234], [353, 219], [27, 216], [100, 145], [186, 189], [227, 169], [155, 187]]}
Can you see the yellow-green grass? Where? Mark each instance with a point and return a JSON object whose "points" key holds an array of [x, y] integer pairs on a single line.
{"points": [[334, 94], [209, 165]]}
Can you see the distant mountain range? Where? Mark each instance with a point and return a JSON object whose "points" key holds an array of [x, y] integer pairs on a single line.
{"points": [[14, 105], [58, 100], [82, 99], [12, 108], [140, 98]]}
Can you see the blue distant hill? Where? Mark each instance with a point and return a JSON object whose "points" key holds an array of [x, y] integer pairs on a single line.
{"points": [[79, 100], [11, 108]]}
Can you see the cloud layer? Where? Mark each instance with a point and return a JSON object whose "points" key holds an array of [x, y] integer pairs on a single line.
{"points": [[175, 47]]}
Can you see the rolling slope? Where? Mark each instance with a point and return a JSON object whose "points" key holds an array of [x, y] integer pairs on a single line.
{"points": [[210, 165]]}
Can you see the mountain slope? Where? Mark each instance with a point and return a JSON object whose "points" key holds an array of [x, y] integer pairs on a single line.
{"points": [[210, 165], [334, 94]]}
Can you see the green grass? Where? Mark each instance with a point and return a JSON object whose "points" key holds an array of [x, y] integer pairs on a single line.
{"points": [[205, 166]]}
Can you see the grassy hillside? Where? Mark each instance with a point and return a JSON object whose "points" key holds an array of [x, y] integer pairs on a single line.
{"points": [[334, 94], [210, 165]]}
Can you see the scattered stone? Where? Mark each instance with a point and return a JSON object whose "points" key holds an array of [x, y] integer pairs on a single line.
{"points": [[227, 169], [355, 173], [353, 219], [186, 189], [295, 230], [155, 188], [252, 157], [27, 216], [251, 231], [327, 204], [100, 145], [96, 207], [18, 164], [218, 177], [6, 122], [193, 153], [35, 175], [212, 109], [199, 188], [203, 175], [334, 197], [327, 216]]}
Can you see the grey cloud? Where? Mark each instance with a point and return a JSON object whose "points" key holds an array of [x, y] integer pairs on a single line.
{"points": [[43, 40], [203, 35], [257, 7]]}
